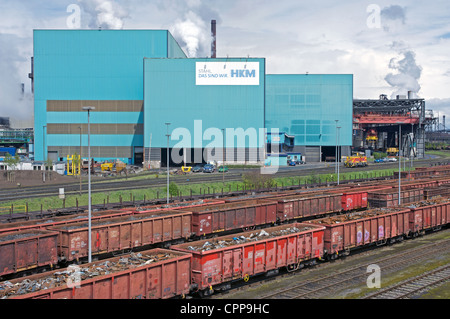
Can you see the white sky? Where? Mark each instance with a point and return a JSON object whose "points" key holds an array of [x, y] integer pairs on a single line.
{"points": [[410, 40]]}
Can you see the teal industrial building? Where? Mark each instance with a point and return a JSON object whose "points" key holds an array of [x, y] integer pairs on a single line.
{"points": [[144, 88]]}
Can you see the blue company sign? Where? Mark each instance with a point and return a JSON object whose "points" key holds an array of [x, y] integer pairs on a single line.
{"points": [[227, 73]]}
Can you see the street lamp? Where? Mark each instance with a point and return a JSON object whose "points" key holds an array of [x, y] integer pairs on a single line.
{"points": [[80, 164], [338, 152], [43, 149], [89, 109], [43, 141], [168, 136], [223, 156], [399, 162], [335, 151]]}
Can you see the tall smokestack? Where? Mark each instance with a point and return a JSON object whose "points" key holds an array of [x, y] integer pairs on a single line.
{"points": [[31, 75], [410, 95], [213, 42]]}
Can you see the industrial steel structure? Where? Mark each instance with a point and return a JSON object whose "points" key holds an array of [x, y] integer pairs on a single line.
{"points": [[376, 124]]}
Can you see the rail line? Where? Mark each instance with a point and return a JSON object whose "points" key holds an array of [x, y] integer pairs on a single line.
{"points": [[9, 194], [413, 286], [314, 288]]}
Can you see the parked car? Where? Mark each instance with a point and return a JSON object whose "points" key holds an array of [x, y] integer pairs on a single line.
{"points": [[223, 169], [197, 169], [292, 163], [392, 159], [209, 168], [379, 160], [300, 162]]}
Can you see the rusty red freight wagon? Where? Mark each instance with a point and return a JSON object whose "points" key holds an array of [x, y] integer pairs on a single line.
{"points": [[218, 261], [301, 206], [357, 229], [232, 216], [389, 197], [357, 197], [27, 249], [441, 191], [175, 205], [123, 233], [151, 274], [429, 214], [60, 220]]}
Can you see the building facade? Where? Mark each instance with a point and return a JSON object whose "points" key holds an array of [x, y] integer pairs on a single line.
{"points": [[312, 107], [99, 68], [211, 104], [143, 88]]}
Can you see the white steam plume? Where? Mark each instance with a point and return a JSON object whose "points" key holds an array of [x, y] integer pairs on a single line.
{"points": [[104, 14], [13, 104], [407, 76], [192, 32]]}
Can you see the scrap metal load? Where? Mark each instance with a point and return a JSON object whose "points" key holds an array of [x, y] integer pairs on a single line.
{"points": [[245, 238], [123, 277], [227, 258]]}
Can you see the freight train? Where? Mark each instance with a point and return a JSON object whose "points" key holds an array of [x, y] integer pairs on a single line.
{"points": [[289, 229]]}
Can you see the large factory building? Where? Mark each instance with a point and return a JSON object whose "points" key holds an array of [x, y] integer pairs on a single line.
{"points": [[150, 98]]}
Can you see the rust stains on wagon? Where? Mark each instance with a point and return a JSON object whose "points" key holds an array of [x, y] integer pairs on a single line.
{"points": [[347, 231], [218, 261], [27, 249], [126, 232], [156, 273]]}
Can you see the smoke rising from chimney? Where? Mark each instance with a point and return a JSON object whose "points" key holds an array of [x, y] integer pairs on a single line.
{"points": [[407, 76]]}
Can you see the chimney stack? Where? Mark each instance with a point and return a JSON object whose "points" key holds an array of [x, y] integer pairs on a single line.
{"points": [[31, 75], [213, 42]]}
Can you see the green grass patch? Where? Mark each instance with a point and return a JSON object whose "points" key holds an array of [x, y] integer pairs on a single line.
{"points": [[54, 202]]}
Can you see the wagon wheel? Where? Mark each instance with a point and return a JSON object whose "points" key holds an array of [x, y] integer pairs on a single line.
{"points": [[292, 267], [246, 277]]}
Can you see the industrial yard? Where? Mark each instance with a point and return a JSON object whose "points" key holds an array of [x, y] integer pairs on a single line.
{"points": [[223, 159]]}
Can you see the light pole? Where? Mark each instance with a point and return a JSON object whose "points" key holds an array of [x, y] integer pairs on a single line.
{"points": [[89, 109], [80, 162], [399, 163], [43, 141], [168, 136], [43, 148], [338, 152], [223, 156]]}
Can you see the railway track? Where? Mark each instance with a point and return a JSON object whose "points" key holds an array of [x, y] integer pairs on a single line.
{"points": [[413, 286], [123, 184], [316, 288]]}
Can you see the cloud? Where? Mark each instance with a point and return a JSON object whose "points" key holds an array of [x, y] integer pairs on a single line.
{"points": [[393, 18], [439, 107], [104, 14], [394, 12]]}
